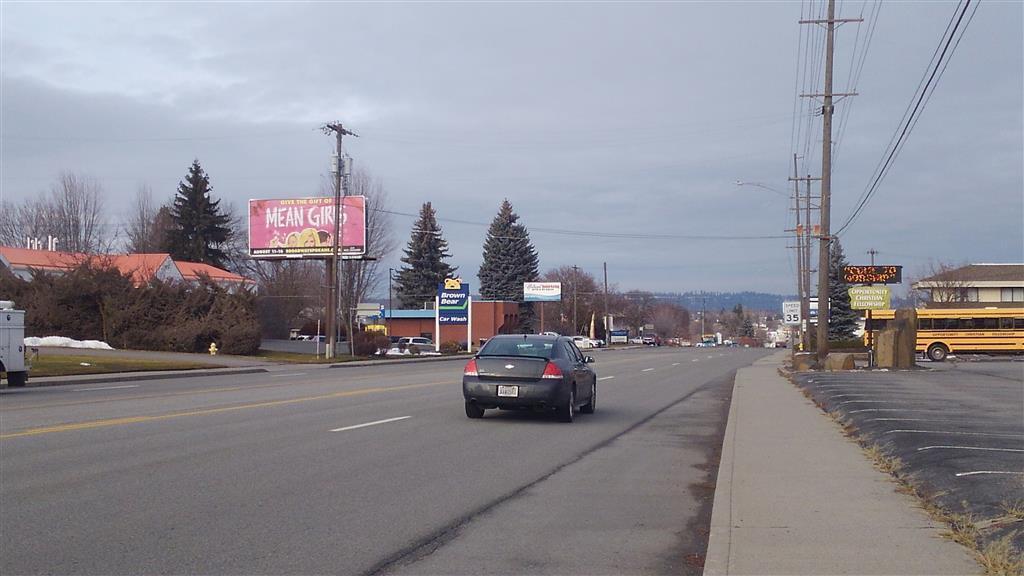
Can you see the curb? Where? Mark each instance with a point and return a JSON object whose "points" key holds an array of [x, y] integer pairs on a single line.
{"points": [[135, 377], [364, 363]]}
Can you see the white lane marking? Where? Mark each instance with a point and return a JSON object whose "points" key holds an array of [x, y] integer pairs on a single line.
{"points": [[106, 388], [710, 356], [954, 433], [647, 369], [969, 448], [894, 410], [846, 396], [606, 378], [975, 473], [289, 374], [675, 363], [695, 360], [371, 424]]}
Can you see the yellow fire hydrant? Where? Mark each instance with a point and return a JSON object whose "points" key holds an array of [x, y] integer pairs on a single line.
{"points": [[213, 348]]}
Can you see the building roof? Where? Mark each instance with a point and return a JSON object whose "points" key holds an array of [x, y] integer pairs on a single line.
{"points": [[980, 273], [142, 268], [42, 259], [193, 271]]}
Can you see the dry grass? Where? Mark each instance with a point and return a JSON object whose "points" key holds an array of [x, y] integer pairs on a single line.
{"points": [[882, 461], [69, 365], [999, 559], [1014, 510]]}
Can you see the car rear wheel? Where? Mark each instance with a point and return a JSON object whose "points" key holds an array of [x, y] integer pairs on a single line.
{"points": [[567, 412], [937, 352], [474, 411], [591, 405]]}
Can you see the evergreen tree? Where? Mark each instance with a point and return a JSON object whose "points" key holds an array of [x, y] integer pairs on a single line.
{"points": [[424, 260], [509, 260], [842, 320], [199, 228], [747, 329]]}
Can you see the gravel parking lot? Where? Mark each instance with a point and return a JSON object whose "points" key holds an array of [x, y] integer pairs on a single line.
{"points": [[957, 429]]}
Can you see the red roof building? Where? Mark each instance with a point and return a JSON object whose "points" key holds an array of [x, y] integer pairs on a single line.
{"points": [[142, 268]]}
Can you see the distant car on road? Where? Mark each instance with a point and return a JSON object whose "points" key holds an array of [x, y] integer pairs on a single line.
{"points": [[414, 340], [530, 371], [582, 342]]}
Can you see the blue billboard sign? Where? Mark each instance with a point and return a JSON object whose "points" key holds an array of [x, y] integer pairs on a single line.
{"points": [[453, 303]]}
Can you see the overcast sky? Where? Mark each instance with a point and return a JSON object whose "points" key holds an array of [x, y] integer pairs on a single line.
{"points": [[613, 117]]}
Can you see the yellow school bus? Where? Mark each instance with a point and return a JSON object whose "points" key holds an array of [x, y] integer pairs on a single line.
{"points": [[965, 330]]}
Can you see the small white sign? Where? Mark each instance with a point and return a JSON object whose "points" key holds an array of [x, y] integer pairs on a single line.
{"points": [[542, 291], [791, 313]]}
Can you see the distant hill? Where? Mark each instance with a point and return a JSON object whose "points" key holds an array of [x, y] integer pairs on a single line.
{"points": [[727, 300]]}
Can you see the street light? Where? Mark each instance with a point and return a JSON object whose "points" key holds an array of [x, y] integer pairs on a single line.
{"points": [[759, 185]]}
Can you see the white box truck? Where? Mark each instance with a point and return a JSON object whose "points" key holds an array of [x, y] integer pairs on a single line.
{"points": [[12, 344]]}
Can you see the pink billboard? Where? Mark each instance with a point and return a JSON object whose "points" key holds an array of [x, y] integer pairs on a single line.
{"points": [[304, 227]]}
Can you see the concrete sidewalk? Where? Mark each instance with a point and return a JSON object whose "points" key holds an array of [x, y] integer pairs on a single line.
{"points": [[794, 496]]}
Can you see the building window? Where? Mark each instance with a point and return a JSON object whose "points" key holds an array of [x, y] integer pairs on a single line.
{"points": [[1012, 295]]}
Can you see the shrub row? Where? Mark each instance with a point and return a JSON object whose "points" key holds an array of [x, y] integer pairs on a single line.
{"points": [[92, 302]]}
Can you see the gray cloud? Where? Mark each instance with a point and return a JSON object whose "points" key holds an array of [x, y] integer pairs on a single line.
{"points": [[592, 117]]}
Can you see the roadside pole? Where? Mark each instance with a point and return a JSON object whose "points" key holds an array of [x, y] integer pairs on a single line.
{"points": [[437, 323], [469, 324]]}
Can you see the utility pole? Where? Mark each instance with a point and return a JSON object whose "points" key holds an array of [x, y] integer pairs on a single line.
{"points": [[332, 261], [803, 247], [802, 289], [575, 286], [607, 318], [826, 175]]}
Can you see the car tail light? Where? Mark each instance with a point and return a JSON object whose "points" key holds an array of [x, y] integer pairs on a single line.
{"points": [[551, 371], [471, 368]]}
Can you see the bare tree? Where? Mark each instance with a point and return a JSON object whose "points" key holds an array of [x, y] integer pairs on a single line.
{"points": [[588, 301], [141, 227], [32, 219], [76, 203], [941, 284], [72, 213], [362, 277], [671, 320]]}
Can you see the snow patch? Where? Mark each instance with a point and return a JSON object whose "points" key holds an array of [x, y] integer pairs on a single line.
{"points": [[62, 342]]}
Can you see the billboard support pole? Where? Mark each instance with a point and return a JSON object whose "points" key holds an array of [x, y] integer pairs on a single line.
{"points": [[469, 324], [437, 323]]}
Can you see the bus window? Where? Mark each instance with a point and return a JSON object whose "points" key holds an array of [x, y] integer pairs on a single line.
{"points": [[1018, 323], [945, 323], [924, 323], [1006, 323], [967, 324], [876, 325], [987, 323]]}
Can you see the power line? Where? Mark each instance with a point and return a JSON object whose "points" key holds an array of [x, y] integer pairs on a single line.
{"points": [[933, 73], [594, 234]]}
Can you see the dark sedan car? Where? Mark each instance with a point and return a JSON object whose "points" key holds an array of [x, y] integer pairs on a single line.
{"points": [[527, 371]]}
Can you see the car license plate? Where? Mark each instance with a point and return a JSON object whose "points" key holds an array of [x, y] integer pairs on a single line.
{"points": [[508, 391]]}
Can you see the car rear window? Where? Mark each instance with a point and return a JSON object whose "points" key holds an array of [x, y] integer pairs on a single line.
{"points": [[516, 347]]}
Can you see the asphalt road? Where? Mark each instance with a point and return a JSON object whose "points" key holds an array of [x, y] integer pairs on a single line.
{"points": [[957, 428], [362, 470]]}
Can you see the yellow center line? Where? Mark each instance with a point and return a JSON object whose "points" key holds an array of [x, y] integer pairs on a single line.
{"points": [[88, 425], [130, 398]]}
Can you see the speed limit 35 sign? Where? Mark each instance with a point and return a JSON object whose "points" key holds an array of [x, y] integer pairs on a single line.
{"points": [[791, 312]]}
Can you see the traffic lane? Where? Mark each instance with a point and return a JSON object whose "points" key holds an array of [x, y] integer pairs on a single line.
{"points": [[640, 504], [959, 435], [38, 407], [280, 493]]}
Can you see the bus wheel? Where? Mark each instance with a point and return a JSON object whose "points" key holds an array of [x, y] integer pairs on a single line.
{"points": [[937, 352]]}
